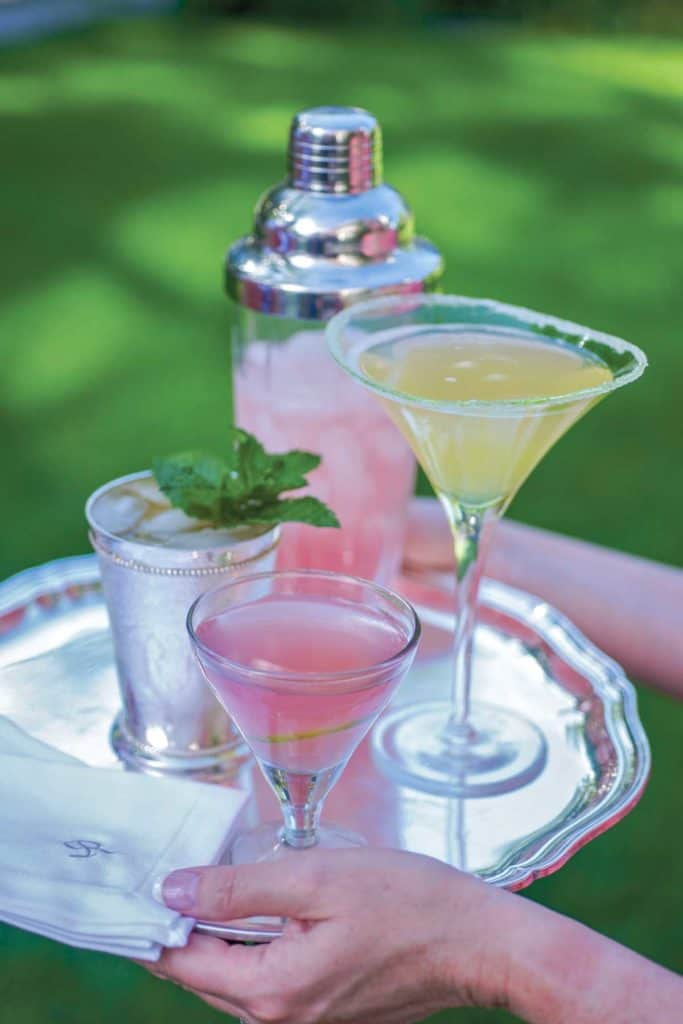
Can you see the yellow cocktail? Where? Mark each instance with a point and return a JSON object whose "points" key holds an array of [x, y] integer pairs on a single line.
{"points": [[480, 455], [481, 391]]}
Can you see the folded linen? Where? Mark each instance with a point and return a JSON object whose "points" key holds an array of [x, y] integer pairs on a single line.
{"points": [[81, 847]]}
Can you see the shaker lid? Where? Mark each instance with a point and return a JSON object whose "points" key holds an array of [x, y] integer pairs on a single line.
{"points": [[332, 233], [335, 149]]}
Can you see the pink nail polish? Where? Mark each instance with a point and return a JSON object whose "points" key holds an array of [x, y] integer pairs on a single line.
{"points": [[179, 889]]}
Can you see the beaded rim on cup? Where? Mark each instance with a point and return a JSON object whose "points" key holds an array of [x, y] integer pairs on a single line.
{"points": [[154, 570]]}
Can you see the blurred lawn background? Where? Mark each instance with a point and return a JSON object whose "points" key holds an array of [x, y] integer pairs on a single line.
{"points": [[546, 165]]}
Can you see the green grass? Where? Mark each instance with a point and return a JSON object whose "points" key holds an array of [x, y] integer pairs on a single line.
{"points": [[547, 168]]}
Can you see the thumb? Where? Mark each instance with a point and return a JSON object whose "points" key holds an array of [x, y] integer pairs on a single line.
{"points": [[285, 888]]}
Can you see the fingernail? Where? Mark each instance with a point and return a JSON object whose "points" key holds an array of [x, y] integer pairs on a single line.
{"points": [[178, 890]]}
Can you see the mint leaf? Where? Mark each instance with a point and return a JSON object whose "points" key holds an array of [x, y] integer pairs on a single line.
{"points": [[192, 481], [270, 474], [248, 463], [244, 486], [289, 470], [298, 510]]}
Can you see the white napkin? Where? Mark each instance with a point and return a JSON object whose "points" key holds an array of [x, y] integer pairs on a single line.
{"points": [[81, 847]]}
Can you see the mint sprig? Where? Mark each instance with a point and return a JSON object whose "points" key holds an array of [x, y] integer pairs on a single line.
{"points": [[243, 487]]}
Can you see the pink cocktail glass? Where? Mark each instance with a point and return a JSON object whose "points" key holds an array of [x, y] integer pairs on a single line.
{"points": [[303, 662]]}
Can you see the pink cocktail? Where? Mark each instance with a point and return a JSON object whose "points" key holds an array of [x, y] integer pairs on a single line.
{"points": [[367, 472], [304, 662]]}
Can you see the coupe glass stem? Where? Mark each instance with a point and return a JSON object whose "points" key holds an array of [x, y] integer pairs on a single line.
{"points": [[301, 826], [301, 797], [472, 531]]}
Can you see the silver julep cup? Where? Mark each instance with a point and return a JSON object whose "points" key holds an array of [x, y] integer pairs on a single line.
{"points": [[170, 721]]}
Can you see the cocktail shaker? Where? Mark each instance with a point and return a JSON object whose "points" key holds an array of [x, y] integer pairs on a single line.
{"points": [[331, 234]]}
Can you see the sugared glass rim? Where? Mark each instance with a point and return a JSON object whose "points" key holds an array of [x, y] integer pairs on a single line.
{"points": [[260, 674], [531, 321]]}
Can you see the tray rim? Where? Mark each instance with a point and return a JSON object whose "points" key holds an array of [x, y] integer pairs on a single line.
{"points": [[607, 679]]}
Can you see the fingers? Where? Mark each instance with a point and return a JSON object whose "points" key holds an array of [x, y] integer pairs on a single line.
{"points": [[179, 971], [216, 1003], [287, 888], [428, 542], [212, 968]]}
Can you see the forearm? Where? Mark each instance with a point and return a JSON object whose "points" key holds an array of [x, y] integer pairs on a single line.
{"points": [[560, 972], [630, 607]]}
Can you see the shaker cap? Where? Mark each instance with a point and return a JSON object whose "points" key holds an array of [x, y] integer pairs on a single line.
{"points": [[336, 150], [332, 233]]}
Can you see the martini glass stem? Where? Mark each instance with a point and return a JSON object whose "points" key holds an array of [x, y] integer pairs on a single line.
{"points": [[472, 530]]}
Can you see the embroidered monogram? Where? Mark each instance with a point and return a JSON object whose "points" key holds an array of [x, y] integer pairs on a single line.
{"points": [[85, 848]]}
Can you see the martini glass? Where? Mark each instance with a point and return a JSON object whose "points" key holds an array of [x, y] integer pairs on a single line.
{"points": [[303, 662], [481, 391]]}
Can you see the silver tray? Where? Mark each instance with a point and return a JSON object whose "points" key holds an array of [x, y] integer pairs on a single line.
{"points": [[57, 681]]}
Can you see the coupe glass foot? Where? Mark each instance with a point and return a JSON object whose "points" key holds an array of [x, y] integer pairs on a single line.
{"points": [[502, 751]]}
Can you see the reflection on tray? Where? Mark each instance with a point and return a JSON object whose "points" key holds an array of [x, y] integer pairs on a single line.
{"points": [[58, 682]]}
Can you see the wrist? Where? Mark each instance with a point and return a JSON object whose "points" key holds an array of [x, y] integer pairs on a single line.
{"points": [[519, 956], [548, 965], [474, 969], [561, 972], [530, 960]]}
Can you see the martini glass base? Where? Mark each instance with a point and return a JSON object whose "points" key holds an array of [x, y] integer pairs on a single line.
{"points": [[267, 842], [504, 752]]}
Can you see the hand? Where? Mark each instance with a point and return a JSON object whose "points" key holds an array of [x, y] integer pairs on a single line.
{"points": [[374, 936]]}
